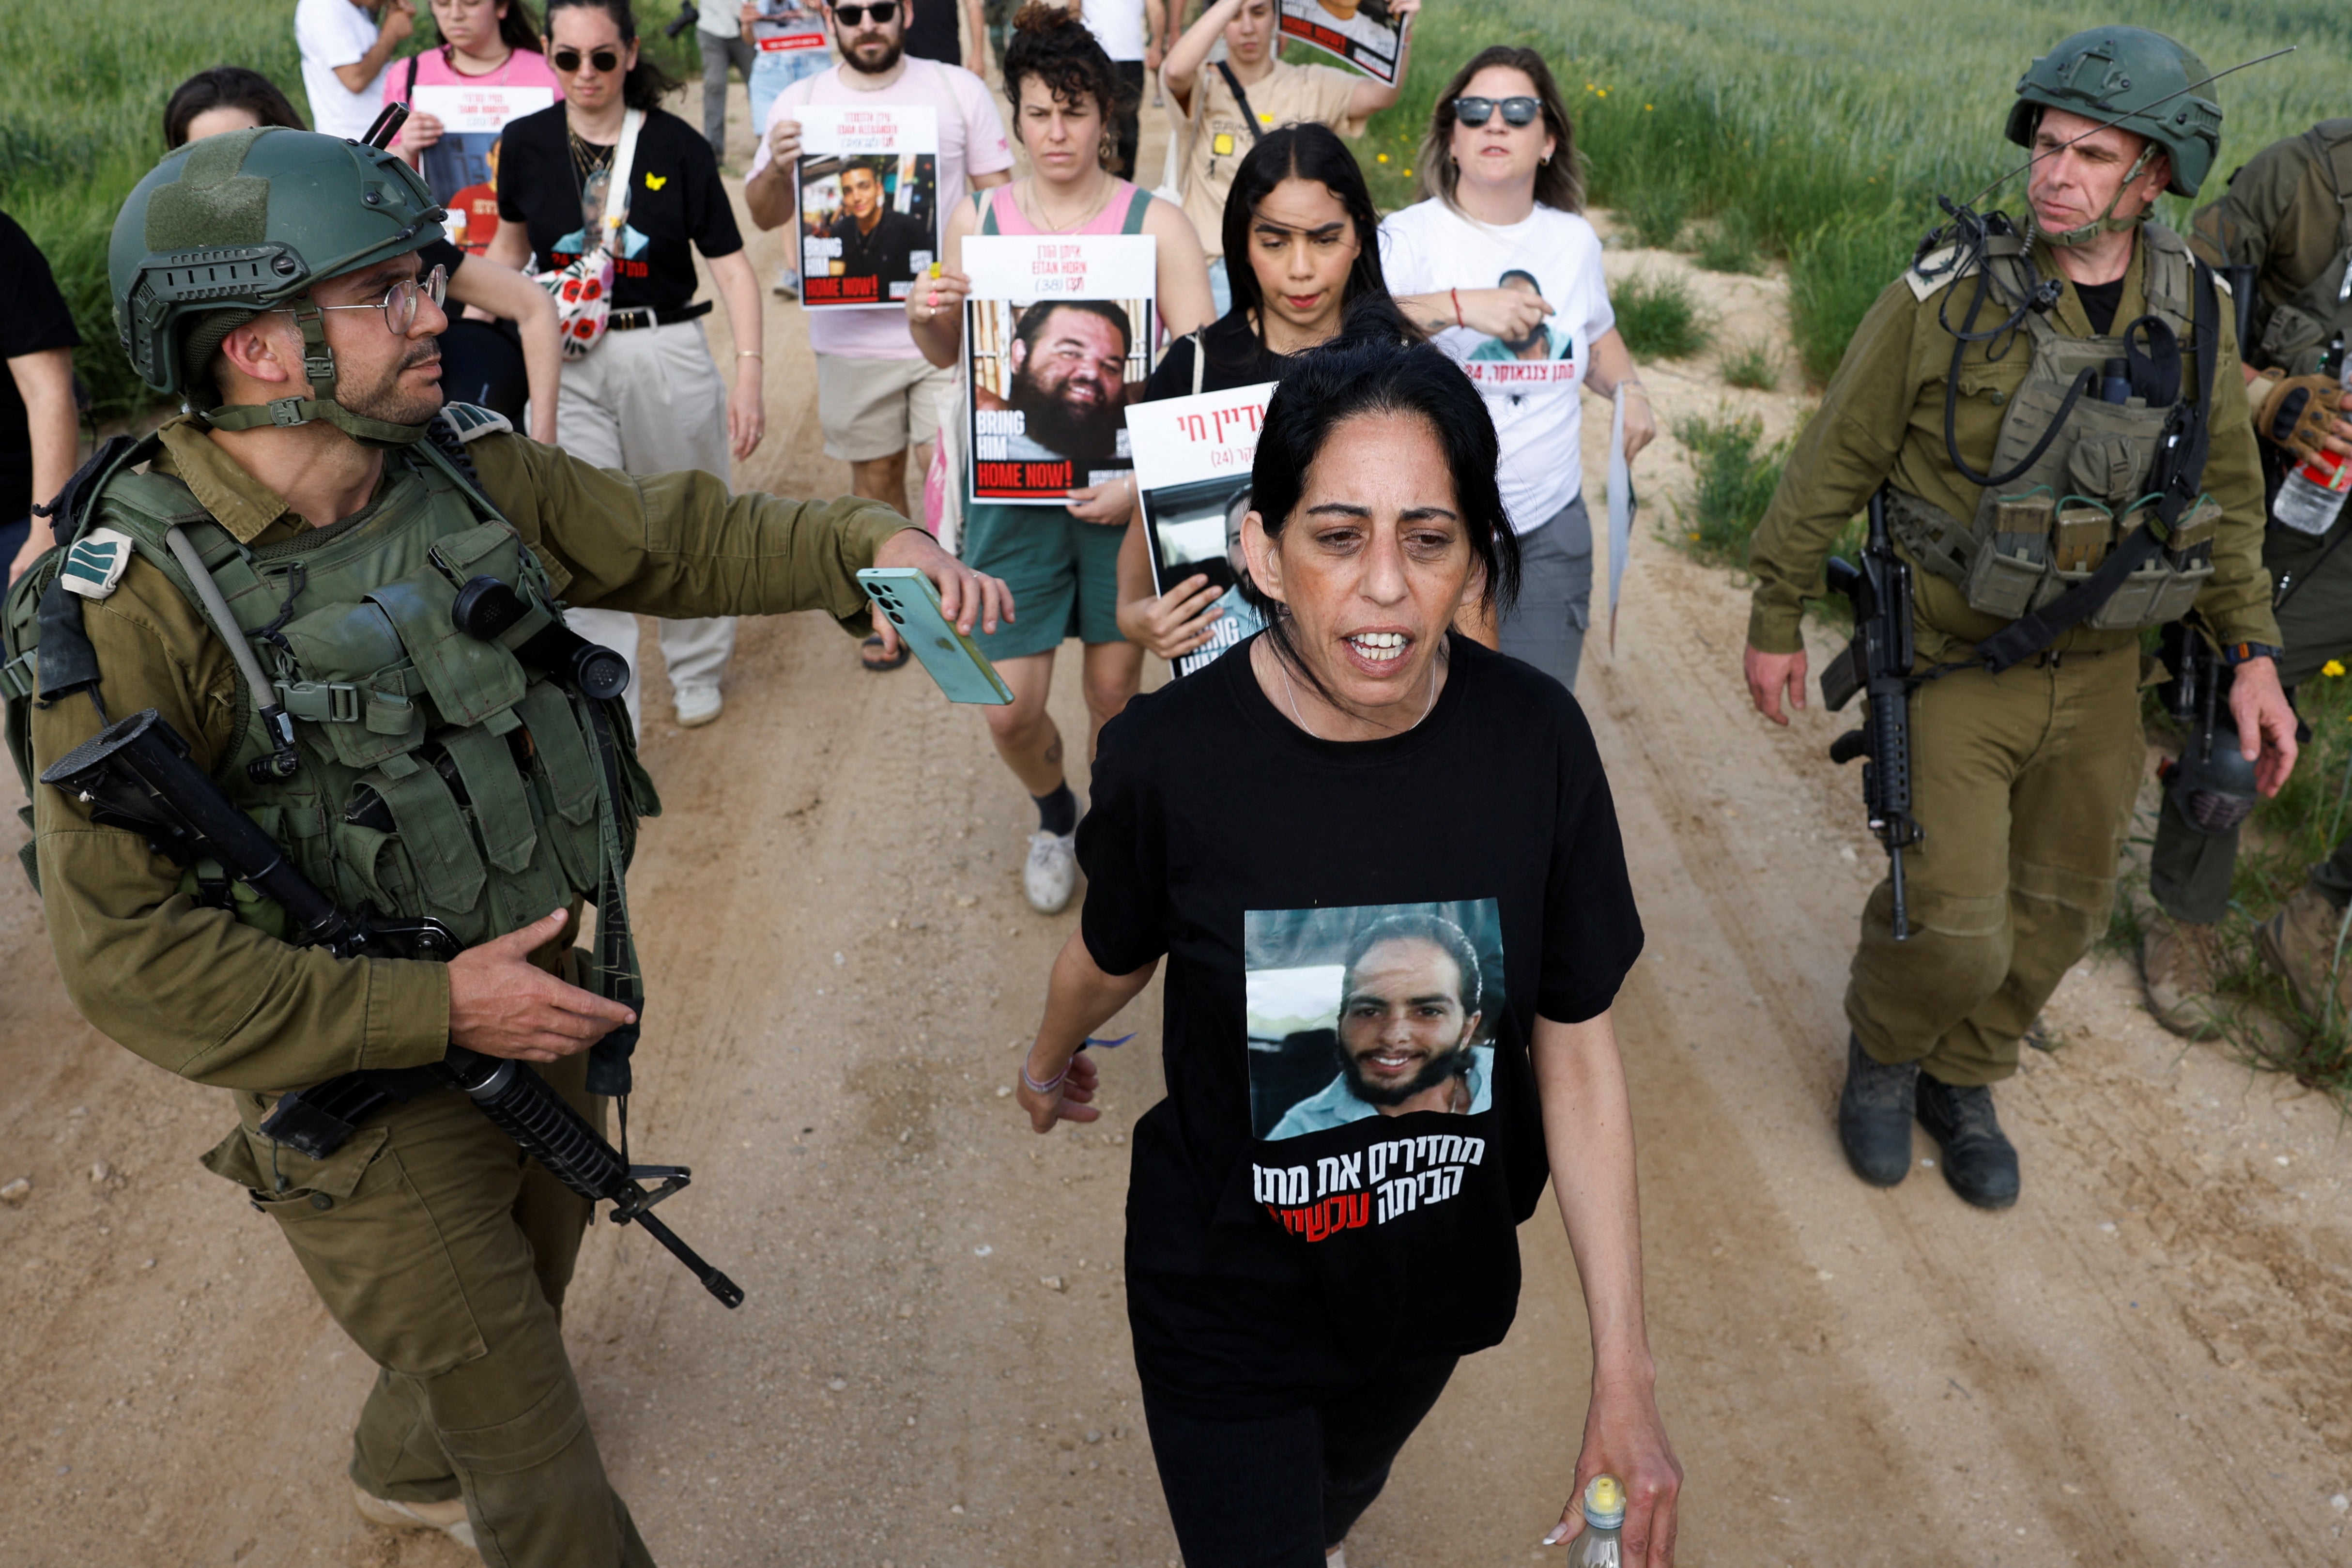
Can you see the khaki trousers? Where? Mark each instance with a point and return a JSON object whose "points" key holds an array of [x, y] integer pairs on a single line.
{"points": [[445, 1254], [2024, 784], [650, 401]]}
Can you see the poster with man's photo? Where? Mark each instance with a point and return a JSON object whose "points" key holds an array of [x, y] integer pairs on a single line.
{"points": [[1375, 1011], [1192, 457], [1361, 32], [869, 203], [472, 119], [1060, 333]]}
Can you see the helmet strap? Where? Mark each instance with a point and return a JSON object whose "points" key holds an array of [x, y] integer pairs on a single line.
{"points": [[319, 364], [2107, 222]]}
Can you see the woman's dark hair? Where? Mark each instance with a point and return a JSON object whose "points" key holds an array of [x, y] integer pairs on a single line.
{"points": [[519, 30], [1560, 185], [226, 87], [1054, 46], [1370, 369], [647, 81], [1303, 152]]}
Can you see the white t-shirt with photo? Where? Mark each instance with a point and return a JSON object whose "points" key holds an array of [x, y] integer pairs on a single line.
{"points": [[333, 32], [1535, 390]]}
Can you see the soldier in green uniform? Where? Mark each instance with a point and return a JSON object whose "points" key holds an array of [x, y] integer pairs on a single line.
{"points": [[328, 504], [2016, 393], [2286, 221]]}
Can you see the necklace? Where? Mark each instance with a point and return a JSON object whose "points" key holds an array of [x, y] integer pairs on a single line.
{"points": [[586, 156], [1032, 205], [1300, 719]]}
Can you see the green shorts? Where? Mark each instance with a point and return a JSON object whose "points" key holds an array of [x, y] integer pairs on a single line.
{"points": [[1063, 574]]}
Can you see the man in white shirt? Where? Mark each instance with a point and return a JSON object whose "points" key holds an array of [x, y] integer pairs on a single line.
{"points": [[877, 396], [1131, 32], [344, 55]]}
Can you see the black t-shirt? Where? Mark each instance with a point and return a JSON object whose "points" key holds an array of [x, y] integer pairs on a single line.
{"points": [[1236, 358], [887, 252], [1284, 1239], [33, 317], [932, 32], [2100, 303], [674, 198]]}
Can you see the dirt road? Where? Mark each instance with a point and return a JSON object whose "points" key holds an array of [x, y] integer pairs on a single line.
{"points": [[2153, 1350]]}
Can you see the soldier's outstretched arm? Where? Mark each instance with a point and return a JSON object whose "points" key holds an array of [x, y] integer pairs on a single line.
{"points": [[182, 984], [682, 544]]}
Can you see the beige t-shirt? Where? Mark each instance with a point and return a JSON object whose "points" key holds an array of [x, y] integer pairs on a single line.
{"points": [[1220, 135]]}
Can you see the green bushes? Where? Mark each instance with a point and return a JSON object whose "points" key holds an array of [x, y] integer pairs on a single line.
{"points": [[1737, 474], [1753, 366], [1658, 317]]}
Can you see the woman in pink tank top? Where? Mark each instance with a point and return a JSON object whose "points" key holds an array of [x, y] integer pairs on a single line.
{"points": [[1062, 564]]}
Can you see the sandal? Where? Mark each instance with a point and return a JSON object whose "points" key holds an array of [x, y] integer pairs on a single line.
{"points": [[876, 666]]}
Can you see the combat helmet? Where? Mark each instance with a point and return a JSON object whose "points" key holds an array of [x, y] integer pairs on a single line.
{"points": [[232, 226], [2137, 81]]}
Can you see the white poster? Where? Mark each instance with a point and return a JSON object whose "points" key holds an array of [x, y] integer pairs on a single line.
{"points": [[1060, 333], [869, 176], [1192, 460], [1360, 32], [468, 110]]}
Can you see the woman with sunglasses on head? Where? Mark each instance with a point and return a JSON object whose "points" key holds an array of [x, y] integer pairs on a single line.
{"points": [[1500, 266], [1062, 567], [1301, 214], [1385, 872], [646, 398], [479, 362]]}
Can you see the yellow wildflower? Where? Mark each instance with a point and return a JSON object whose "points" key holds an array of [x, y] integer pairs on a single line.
{"points": [[2332, 667]]}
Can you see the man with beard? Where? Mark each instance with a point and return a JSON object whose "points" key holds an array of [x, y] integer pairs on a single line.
{"points": [[877, 240], [1410, 1006], [321, 513], [1069, 382]]}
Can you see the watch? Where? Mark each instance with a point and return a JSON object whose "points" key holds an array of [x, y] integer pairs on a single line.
{"points": [[2237, 653]]}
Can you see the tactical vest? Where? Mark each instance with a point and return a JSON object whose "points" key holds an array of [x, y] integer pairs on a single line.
{"points": [[439, 775], [2047, 529], [2293, 332]]}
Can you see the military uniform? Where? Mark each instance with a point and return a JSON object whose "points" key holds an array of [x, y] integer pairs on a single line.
{"points": [[426, 771], [2023, 781], [2287, 217]]}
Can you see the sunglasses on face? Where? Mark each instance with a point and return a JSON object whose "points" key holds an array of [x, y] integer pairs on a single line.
{"points": [[1473, 111], [884, 13], [606, 59]]}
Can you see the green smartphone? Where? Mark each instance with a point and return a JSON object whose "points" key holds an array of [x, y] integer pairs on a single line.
{"points": [[912, 604]]}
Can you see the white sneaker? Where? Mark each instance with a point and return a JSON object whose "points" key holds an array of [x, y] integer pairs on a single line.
{"points": [[787, 286], [1052, 874], [696, 704], [448, 1518]]}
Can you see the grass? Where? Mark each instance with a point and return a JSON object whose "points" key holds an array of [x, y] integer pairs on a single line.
{"points": [[1730, 244], [82, 88], [1658, 317], [1657, 213], [1754, 366], [1738, 473]]}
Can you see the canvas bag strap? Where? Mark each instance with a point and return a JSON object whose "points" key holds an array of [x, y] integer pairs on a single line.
{"points": [[625, 159], [1233, 85]]}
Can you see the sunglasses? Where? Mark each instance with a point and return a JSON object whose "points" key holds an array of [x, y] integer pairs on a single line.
{"points": [[567, 59], [884, 13], [399, 301], [1474, 111]]}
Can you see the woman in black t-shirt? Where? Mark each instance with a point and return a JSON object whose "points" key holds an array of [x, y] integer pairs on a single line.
{"points": [[1300, 213], [647, 398], [1383, 866]]}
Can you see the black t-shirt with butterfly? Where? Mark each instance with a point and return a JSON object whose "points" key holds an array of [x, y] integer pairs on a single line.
{"points": [[676, 204]]}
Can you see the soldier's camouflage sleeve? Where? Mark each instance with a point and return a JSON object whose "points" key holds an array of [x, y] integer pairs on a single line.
{"points": [[2237, 229], [1844, 452], [2236, 602], [183, 986], [682, 544]]}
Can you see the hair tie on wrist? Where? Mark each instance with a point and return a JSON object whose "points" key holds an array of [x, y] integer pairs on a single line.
{"points": [[1457, 305], [1048, 1087]]}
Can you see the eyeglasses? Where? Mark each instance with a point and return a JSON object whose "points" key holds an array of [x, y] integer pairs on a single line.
{"points": [[884, 12], [1473, 111], [399, 301], [606, 59]]}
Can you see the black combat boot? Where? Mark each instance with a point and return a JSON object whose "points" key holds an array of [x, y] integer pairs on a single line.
{"points": [[1979, 1159], [1874, 1116]]}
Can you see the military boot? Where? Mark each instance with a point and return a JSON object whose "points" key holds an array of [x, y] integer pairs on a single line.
{"points": [[1874, 1116], [2179, 963], [1979, 1161], [2299, 941]]}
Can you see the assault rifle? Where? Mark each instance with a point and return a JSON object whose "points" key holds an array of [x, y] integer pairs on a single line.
{"points": [[1877, 664], [135, 773]]}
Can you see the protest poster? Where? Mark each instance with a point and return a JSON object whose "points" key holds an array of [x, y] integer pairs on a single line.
{"points": [[1363, 33], [1192, 457], [472, 118], [869, 178], [787, 27], [1060, 334]]}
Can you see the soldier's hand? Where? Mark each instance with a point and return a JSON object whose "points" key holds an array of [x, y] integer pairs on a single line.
{"points": [[2265, 722], [1768, 674], [966, 597], [502, 1004]]}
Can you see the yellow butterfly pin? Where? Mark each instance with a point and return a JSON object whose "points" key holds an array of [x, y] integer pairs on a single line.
{"points": [[656, 182]]}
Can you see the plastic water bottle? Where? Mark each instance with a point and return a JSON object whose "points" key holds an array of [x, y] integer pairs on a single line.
{"points": [[2312, 498], [1605, 1519]]}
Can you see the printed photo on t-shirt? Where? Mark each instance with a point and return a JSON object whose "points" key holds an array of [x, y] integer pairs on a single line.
{"points": [[1516, 368], [1380, 1010]]}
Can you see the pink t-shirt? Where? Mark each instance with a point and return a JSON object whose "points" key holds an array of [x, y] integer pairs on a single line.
{"points": [[1112, 219], [523, 68], [972, 142]]}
